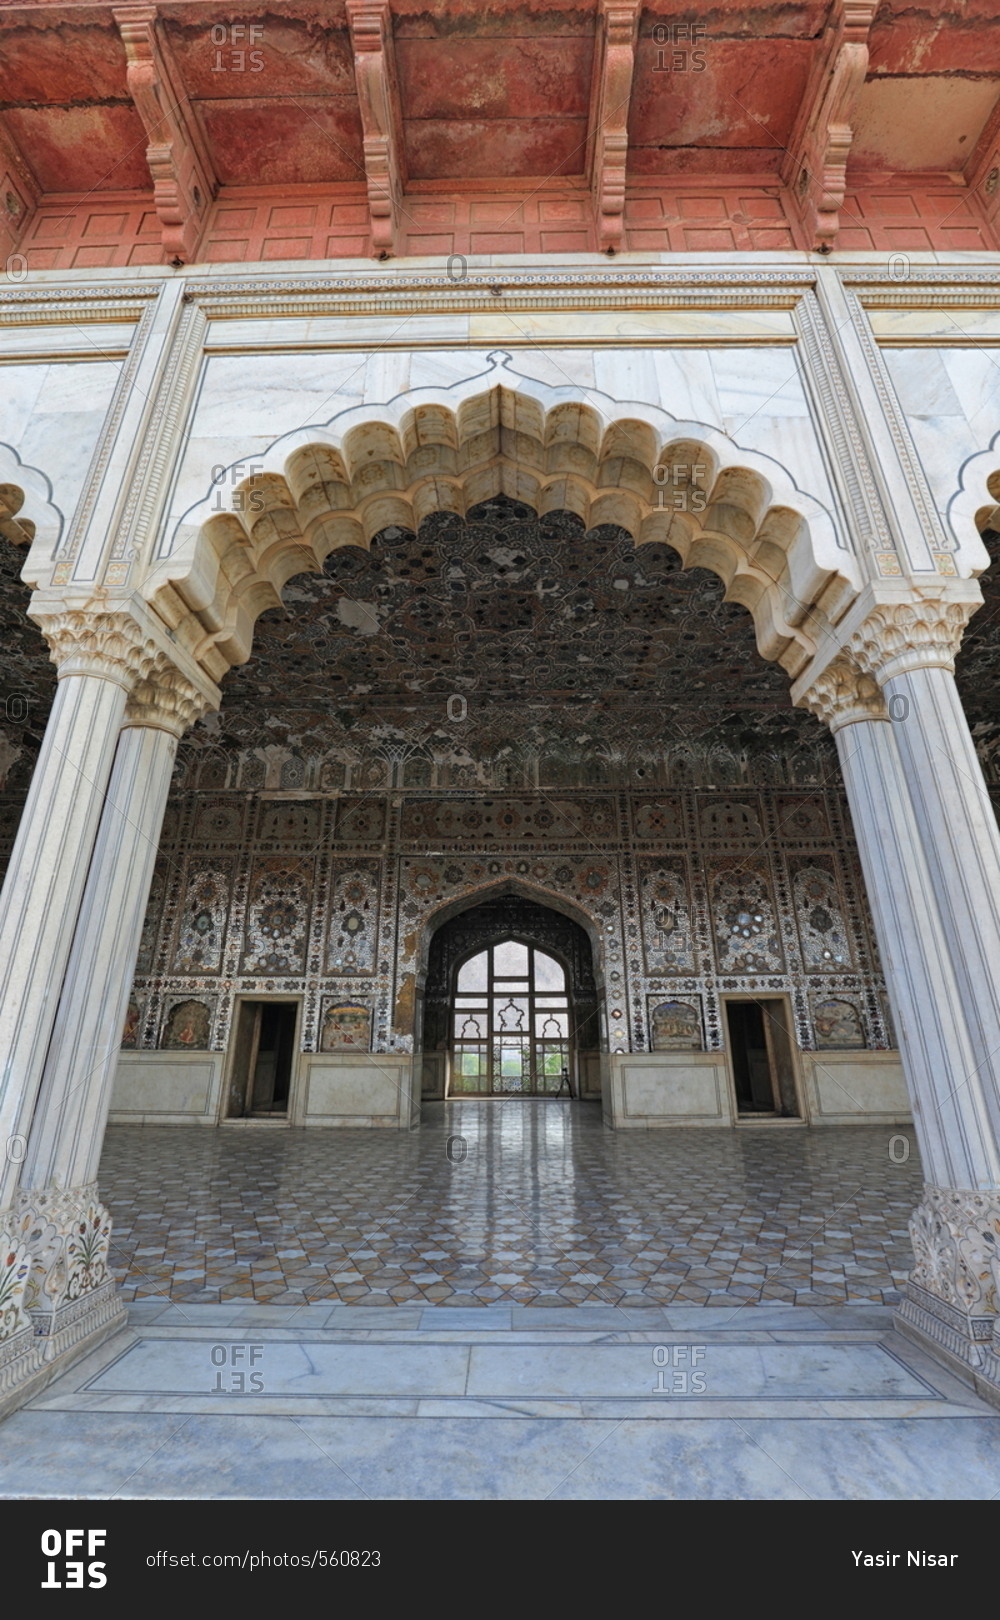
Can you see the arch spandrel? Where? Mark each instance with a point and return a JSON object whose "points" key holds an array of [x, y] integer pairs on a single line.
{"points": [[685, 484]]}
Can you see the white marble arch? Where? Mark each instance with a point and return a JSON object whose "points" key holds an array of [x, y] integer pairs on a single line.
{"points": [[734, 511], [28, 517], [976, 506]]}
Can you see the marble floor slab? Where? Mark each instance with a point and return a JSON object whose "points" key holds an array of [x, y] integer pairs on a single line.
{"points": [[167, 1409]]}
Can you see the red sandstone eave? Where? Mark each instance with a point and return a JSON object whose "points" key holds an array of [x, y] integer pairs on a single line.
{"points": [[494, 94]]}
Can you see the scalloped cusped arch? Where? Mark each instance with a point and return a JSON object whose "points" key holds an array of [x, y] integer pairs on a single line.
{"points": [[733, 511], [27, 515], [975, 508]]}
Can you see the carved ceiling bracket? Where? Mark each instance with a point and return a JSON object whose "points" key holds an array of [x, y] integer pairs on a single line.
{"points": [[378, 99], [815, 168], [19, 195], [183, 177], [612, 91]]}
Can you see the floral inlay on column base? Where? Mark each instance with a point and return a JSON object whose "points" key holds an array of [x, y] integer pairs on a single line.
{"points": [[69, 1290], [953, 1292]]}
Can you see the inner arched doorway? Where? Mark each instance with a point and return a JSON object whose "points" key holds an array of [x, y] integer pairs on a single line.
{"points": [[510, 1004]]}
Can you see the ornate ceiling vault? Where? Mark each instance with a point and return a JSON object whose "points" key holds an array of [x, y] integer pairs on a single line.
{"points": [[505, 636]]}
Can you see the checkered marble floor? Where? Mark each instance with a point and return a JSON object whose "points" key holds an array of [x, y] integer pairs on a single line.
{"points": [[510, 1202]]}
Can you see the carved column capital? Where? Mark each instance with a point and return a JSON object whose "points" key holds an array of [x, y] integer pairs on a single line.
{"points": [[115, 647], [844, 694], [898, 637], [110, 646], [164, 698]]}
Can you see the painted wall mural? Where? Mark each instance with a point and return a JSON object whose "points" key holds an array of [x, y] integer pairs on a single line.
{"points": [[675, 1026], [186, 1025], [838, 1024], [346, 1026]]}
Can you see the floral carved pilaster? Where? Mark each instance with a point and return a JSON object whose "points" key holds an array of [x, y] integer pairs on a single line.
{"points": [[15, 1264], [20, 1351]]}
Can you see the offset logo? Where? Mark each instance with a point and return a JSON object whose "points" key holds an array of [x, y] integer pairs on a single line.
{"points": [[66, 1565]]}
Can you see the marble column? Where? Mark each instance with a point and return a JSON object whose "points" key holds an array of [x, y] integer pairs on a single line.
{"points": [[911, 651], [98, 657], [951, 1302], [69, 1290]]}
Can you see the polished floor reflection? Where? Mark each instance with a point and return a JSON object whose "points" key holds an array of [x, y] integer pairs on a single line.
{"points": [[512, 1202]]}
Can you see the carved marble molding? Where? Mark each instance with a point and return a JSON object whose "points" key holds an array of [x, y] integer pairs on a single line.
{"points": [[844, 694], [68, 304], [898, 637], [498, 289], [164, 698]]}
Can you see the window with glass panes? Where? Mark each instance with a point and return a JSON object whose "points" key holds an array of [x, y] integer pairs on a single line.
{"points": [[510, 1024]]}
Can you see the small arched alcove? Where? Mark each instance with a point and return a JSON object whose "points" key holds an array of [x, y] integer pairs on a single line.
{"points": [[510, 1004]]}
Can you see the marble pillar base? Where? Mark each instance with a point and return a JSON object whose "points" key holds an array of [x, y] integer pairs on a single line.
{"points": [[966, 1344], [58, 1299], [51, 1341], [952, 1304]]}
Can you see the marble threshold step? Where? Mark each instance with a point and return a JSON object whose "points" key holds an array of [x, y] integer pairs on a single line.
{"points": [[582, 1362]]}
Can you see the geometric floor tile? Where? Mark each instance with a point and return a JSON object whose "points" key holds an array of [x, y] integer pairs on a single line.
{"points": [[537, 1205]]}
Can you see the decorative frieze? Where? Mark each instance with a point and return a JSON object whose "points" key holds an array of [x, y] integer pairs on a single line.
{"points": [[359, 927]]}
